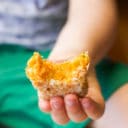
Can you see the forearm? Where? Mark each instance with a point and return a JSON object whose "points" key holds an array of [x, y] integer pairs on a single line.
{"points": [[90, 27]]}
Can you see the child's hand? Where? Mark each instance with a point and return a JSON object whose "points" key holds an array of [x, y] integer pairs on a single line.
{"points": [[71, 107]]}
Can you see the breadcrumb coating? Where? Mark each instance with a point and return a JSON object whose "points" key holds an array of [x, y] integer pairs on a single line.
{"points": [[58, 79]]}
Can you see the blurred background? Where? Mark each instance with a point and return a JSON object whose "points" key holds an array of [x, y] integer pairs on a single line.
{"points": [[119, 52], [17, 95]]}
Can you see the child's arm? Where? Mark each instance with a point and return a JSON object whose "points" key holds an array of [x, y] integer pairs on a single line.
{"points": [[90, 27]]}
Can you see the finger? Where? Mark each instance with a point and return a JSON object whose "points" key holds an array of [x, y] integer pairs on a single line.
{"points": [[44, 105], [74, 108], [95, 98], [58, 112], [91, 108], [94, 103]]}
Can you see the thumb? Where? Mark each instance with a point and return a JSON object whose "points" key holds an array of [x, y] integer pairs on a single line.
{"points": [[93, 104]]}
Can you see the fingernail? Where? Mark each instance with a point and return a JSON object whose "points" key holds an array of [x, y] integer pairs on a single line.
{"points": [[86, 104], [56, 104], [70, 103]]}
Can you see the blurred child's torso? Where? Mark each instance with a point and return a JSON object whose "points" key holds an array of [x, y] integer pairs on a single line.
{"points": [[33, 23]]}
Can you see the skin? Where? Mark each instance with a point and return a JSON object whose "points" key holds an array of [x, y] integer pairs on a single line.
{"points": [[116, 113], [89, 27]]}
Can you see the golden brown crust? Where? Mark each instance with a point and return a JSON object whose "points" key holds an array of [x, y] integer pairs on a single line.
{"points": [[58, 79]]}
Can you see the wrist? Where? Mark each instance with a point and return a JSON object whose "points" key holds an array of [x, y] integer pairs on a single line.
{"points": [[64, 53]]}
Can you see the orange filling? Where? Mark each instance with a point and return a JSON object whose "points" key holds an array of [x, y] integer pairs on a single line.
{"points": [[40, 69]]}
